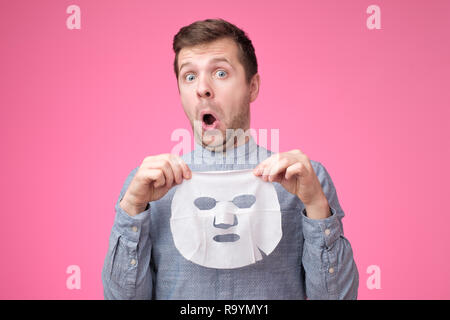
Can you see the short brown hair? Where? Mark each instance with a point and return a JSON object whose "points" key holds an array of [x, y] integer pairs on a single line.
{"points": [[209, 30]]}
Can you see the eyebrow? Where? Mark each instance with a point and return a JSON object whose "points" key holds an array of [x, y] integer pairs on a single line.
{"points": [[211, 61]]}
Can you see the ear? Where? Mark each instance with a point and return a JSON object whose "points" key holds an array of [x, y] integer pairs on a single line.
{"points": [[254, 87]]}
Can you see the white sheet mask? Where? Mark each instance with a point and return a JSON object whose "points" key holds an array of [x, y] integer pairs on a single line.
{"points": [[220, 219]]}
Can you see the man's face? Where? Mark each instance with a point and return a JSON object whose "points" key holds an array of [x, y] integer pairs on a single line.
{"points": [[214, 92]]}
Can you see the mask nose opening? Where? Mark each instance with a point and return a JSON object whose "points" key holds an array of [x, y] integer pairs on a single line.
{"points": [[225, 221]]}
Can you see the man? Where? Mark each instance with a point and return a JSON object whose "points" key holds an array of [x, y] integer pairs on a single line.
{"points": [[216, 70]]}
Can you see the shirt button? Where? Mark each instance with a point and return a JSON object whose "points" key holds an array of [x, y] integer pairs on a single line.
{"points": [[134, 228], [331, 270], [327, 232], [133, 262]]}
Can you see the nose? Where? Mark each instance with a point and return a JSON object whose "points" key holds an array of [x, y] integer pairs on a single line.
{"points": [[225, 220], [204, 89]]}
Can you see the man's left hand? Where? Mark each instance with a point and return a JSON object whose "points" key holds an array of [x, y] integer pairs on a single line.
{"points": [[293, 170]]}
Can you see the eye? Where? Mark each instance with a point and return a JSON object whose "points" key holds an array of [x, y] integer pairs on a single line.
{"points": [[189, 77], [244, 201], [221, 73], [205, 203]]}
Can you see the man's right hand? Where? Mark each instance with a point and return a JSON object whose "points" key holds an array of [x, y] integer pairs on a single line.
{"points": [[154, 178]]}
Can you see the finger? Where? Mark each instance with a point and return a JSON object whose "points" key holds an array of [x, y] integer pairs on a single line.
{"points": [[296, 151], [157, 176], [277, 178], [267, 168], [259, 169], [164, 165], [186, 171], [298, 154], [280, 166], [297, 169], [176, 169]]}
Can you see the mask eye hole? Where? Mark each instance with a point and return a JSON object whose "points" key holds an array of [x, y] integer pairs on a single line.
{"points": [[205, 203], [244, 201]]}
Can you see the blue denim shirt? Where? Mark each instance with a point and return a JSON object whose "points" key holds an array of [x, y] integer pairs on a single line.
{"points": [[312, 260]]}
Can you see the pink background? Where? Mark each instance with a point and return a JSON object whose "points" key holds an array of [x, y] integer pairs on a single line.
{"points": [[81, 108]]}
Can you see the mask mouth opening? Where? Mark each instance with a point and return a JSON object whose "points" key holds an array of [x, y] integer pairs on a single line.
{"points": [[229, 237], [208, 119]]}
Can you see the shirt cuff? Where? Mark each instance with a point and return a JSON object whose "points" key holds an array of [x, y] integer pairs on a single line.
{"points": [[322, 232], [132, 228]]}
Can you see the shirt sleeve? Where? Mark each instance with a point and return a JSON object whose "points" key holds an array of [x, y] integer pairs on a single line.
{"points": [[330, 270], [126, 272]]}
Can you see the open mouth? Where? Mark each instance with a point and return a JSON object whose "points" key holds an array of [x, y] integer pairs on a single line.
{"points": [[209, 119]]}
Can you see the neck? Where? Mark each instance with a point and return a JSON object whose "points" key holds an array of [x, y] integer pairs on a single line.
{"points": [[230, 144]]}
